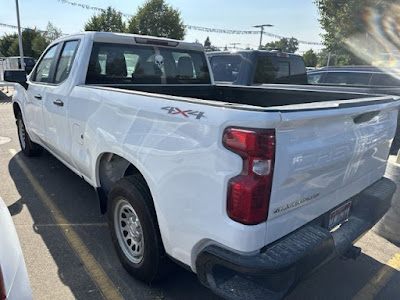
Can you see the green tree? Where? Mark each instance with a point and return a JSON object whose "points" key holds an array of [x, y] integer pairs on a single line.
{"points": [[52, 33], [39, 44], [6, 42], [286, 45], [310, 58], [33, 43], [157, 18], [339, 58], [343, 20], [28, 36], [108, 21]]}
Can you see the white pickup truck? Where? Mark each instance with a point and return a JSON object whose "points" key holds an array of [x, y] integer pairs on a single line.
{"points": [[252, 188]]}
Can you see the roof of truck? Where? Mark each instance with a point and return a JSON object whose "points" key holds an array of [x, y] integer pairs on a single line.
{"points": [[355, 68], [126, 38], [262, 52]]}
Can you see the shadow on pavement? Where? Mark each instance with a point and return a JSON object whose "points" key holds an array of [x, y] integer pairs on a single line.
{"points": [[77, 201], [343, 279], [389, 226], [5, 95]]}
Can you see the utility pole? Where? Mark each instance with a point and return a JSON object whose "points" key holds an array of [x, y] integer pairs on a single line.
{"points": [[262, 32], [329, 59], [21, 49]]}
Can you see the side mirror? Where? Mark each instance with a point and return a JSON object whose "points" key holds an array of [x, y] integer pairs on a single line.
{"points": [[18, 76]]}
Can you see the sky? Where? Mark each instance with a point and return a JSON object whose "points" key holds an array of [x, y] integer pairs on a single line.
{"points": [[289, 18]]}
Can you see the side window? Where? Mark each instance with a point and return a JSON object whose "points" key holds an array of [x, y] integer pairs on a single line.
{"points": [[298, 73], [350, 78], [297, 66], [65, 61], [385, 80], [314, 78], [42, 73]]}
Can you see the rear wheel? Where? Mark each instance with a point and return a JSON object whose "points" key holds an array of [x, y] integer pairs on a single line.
{"points": [[134, 230], [28, 147]]}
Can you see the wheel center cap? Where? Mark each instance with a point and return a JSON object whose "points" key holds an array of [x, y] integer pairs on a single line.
{"points": [[134, 229]]}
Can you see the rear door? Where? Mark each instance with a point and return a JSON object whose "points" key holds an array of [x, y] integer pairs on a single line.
{"points": [[326, 153]]}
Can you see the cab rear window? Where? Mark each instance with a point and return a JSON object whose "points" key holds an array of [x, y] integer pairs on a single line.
{"points": [[134, 64]]}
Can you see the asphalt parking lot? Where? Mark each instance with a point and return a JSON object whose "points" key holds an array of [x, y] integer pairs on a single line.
{"points": [[69, 254]]}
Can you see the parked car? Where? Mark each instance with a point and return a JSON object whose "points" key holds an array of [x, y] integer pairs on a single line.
{"points": [[14, 280], [255, 67], [14, 62], [355, 75], [243, 185]]}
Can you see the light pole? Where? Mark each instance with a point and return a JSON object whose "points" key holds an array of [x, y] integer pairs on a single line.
{"points": [[262, 31], [234, 45], [21, 49]]}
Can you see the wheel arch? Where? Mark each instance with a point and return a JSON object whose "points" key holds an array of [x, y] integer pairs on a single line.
{"points": [[111, 167], [16, 109]]}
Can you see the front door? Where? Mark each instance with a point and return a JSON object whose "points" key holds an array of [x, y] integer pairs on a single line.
{"points": [[37, 82]]}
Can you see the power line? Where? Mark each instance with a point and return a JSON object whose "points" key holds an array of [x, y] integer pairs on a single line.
{"points": [[189, 27], [198, 28]]}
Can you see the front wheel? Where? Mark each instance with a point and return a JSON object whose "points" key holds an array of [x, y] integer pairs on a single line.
{"points": [[28, 147], [134, 230]]}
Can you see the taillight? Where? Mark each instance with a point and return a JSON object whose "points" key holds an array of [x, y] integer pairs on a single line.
{"points": [[3, 294], [249, 193]]}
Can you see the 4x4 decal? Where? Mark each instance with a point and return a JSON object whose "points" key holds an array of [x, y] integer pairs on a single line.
{"points": [[186, 113]]}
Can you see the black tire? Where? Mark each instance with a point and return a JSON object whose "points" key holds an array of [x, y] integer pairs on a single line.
{"points": [[28, 147], [153, 264]]}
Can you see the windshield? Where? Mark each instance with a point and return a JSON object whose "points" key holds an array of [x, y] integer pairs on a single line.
{"points": [[133, 64]]}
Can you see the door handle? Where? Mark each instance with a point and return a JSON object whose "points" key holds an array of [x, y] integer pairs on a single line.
{"points": [[58, 102], [38, 96]]}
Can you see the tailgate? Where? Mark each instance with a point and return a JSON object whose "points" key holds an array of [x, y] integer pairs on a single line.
{"points": [[326, 153]]}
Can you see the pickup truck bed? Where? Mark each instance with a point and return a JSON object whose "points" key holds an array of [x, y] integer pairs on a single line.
{"points": [[265, 96]]}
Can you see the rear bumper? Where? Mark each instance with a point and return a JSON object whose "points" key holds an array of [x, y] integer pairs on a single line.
{"points": [[273, 272]]}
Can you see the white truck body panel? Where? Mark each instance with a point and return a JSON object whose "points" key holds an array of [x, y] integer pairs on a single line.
{"points": [[319, 150], [322, 160]]}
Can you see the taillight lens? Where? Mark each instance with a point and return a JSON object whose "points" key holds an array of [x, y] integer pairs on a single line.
{"points": [[3, 294], [249, 193]]}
